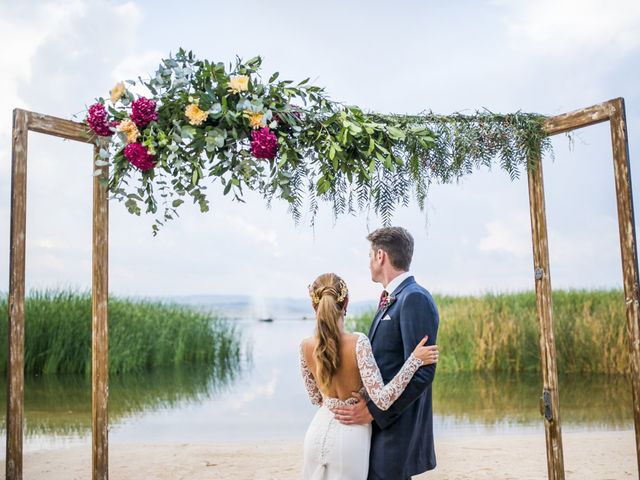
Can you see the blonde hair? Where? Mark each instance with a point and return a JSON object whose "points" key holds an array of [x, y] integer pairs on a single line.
{"points": [[329, 295]]}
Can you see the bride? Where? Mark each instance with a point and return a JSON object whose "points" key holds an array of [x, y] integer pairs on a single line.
{"points": [[335, 363]]}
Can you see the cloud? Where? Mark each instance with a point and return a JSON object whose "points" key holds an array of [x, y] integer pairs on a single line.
{"points": [[559, 28], [135, 65], [261, 236], [16, 65], [87, 41], [507, 236], [477, 235]]}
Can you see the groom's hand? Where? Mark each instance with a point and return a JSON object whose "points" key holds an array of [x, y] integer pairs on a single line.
{"points": [[357, 414]]}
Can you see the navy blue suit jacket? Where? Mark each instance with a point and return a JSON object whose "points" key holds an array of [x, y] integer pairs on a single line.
{"points": [[402, 440]]}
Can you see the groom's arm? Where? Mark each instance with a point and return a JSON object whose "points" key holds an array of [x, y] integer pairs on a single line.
{"points": [[418, 317]]}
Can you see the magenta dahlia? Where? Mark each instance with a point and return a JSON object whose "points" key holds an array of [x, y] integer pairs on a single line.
{"points": [[97, 120], [264, 143], [143, 112], [139, 156]]}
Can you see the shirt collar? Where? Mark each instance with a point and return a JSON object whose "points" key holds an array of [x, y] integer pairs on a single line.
{"points": [[393, 284]]}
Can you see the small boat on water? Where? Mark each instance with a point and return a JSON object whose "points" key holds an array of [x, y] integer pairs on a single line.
{"points": [[266, 319]]}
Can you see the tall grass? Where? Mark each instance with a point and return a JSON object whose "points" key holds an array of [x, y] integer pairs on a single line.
{"points": [[142, 335], [500, 332]]}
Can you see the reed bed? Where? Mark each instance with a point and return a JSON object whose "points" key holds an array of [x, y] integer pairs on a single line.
{"points": [[142, 335], [500, 332]]}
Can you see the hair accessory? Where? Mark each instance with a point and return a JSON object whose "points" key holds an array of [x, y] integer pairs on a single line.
{"points": [[314, 296], [343, 291]]}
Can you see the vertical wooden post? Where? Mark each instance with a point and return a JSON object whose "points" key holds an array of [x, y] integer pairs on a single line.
{"points": [[100, 342], [550, 399], [628, 249], [15, 363]]}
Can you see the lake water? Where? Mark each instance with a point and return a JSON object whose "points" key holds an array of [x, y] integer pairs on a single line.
{"points": [[266, 400]]}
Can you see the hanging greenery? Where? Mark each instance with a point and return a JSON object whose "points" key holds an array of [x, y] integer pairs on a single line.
{"points": [[286, 140]]}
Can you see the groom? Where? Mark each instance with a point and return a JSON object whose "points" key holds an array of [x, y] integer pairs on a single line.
{"points": [[402, 438]]}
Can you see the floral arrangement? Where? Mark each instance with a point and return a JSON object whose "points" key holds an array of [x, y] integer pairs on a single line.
{"points": [[202, 120]]}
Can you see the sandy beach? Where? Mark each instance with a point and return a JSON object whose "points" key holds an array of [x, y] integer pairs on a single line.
{"points": [[588, 455]]}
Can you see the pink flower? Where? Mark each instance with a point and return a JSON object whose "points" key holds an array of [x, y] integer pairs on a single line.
{"points": [[143, 112], [97, 120], [138, 156], [264, 143]]}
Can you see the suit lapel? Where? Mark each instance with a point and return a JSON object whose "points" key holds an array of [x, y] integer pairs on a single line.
{"points": [[376, 321], [380, 314]]}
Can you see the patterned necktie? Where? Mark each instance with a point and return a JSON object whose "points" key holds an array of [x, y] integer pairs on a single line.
{"points": [[384, 299]]}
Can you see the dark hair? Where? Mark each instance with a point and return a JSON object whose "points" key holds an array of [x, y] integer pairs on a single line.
{"points": [[397, 242]]}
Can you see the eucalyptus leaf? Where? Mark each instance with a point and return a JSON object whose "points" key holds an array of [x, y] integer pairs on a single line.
{"points": [[322, 148]]}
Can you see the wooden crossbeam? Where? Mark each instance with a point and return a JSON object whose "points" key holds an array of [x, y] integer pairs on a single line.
{"points": [[614, 112], [23, 122]]}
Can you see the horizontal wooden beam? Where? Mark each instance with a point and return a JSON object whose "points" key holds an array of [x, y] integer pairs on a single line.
{"points": [[59, 127], [581, 118]]}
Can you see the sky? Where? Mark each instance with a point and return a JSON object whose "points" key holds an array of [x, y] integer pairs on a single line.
{"points": [[549, 56]]}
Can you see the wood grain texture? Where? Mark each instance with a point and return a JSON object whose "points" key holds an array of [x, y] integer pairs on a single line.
{"points": [[24, 121], [59, 127], [628, 250], [100, 335], [553, 433], [15, 364], [579, 118]]}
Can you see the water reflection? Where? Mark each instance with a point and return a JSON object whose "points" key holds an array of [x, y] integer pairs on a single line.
{"points": [[586, 401], [61, 404], [264, 399]]}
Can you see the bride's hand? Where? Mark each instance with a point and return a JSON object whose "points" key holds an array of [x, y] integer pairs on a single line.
{"points": [[429, 354]]}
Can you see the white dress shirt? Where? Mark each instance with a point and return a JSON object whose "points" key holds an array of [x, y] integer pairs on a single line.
{"points": [[393, 284]]}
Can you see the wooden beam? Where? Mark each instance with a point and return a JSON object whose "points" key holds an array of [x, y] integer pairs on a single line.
{"points": [[580, 118], [59, 127], [15, 361], [100, 335], [550, 397], [626, 224]]}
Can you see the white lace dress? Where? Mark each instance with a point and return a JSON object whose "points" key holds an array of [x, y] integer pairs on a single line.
{"points": [[333, 451]]}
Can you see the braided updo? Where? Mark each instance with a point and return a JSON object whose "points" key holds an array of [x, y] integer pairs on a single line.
{"points": [[329, 295]]}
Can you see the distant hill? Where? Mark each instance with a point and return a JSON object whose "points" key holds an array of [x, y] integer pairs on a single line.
{"points": [[248, 307]]}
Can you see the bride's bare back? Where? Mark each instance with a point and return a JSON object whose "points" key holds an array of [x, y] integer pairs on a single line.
{"points": [[347, 379], [344, 382]]}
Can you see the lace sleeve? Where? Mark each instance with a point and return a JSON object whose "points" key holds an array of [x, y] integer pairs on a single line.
{"points": [[382, 395], [309, 382]]}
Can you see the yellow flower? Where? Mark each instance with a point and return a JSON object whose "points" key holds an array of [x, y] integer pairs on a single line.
{"points": [[117, 92], [129, 129], [239, 83], [256, 119], [195, 115]]}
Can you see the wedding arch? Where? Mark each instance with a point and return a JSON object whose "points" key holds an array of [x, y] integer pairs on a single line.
{"points": [[290, 141]]}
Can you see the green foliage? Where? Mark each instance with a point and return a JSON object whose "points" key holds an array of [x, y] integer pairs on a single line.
{"points": [[500, 332], [142, 335], [327, 151]]}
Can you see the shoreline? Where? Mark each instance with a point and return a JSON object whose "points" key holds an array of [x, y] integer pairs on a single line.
{"points": [[592, 454]]}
